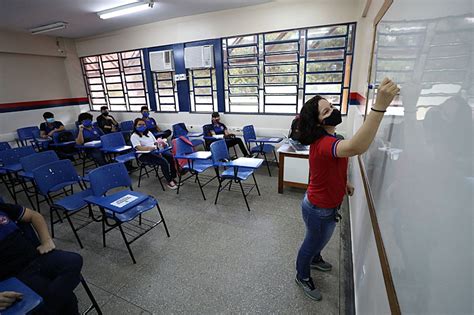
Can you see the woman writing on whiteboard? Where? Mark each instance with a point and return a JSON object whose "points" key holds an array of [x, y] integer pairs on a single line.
{"points": [[328, 160]]}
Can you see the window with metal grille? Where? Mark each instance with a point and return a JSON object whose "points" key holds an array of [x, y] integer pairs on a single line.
{"points": [[241, 74], [116, 80], [165, 91], [203, 90], [328, 61], [275, 73]]}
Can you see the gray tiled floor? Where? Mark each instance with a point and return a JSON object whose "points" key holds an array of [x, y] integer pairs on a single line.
{"points": [[219, 258]]}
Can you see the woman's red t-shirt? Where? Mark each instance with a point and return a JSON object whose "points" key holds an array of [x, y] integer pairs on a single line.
{"points": [[327, 173]]}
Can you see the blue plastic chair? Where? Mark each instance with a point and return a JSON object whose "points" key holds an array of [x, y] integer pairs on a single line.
{"points": [[25, 134], [194, 167], [207, 136], [28, 303], [114, 144], [112, 176], [30, 163], [10, 161], [260, 149], [220, 157], [126, 126], [180, 130], [4, 146], [55, 177]]}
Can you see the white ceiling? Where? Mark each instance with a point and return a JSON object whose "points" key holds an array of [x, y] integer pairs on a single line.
{"points": [[20, 15]]}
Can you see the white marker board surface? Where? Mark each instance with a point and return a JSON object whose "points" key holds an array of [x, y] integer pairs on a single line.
{"points": [[420, 166]]}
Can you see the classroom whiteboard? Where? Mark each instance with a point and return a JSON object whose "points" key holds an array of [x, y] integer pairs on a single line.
{"points": [[420, 166]]}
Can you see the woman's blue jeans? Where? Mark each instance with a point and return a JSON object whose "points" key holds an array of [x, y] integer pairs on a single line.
{"points": [[320, 224]]}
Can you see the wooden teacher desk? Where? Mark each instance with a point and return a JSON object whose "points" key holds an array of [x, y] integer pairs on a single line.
{"points": [[293, 168]]}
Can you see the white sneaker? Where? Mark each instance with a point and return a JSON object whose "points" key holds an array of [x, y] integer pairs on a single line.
{"points": [[172, 185]]}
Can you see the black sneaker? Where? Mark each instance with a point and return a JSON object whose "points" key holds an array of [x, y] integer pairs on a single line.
{"points": [[309, 289], [321, 265]]}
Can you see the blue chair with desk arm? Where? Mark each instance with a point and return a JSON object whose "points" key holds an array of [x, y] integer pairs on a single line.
{"points": [[233, 171], [180, 130], [30, 163], [113, 145], [196, 163], [9, 167], [122, 208], [26, 134], [260, 148], [56, 182]]}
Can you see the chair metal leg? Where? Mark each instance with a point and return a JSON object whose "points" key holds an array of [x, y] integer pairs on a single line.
{"points": [[256, 185], [218, 190], [25, 189], [94, 305], [103, 229], [73, 229], [200, 187], [163, 220], [140, 175], [5, 182], [268, 165], [127, 244], [243, 193]]}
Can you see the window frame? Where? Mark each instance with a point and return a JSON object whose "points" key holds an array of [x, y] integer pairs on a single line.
{"points": [[123, 82], [301, 64]]}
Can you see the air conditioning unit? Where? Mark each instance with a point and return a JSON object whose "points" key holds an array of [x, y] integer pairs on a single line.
{"points": [[199, 57], [161, 61]]}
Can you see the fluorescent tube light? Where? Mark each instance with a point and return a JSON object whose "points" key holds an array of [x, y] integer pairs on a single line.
{"points": [[125, 9], [48, 28]]}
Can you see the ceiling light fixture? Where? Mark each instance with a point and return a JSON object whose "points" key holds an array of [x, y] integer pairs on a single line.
{"points": [[48, 28], [126, 9]]}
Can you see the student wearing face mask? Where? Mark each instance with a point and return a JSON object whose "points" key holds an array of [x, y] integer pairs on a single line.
{"points": [[107, 122], [88, 132], [328, 161], [143, 140], [152, 125], [50, 126], [231, 140]]}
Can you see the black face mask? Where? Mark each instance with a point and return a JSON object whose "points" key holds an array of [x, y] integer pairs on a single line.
{"points": [[106, 113], [334, 119]]}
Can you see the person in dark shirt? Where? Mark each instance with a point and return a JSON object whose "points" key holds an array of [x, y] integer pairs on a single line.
{"points": [[107, 122], [87, 133], [152, 125], [50, 126], [219, 128], [51, 273]]}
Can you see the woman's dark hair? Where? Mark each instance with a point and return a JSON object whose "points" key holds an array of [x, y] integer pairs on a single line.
{"points": [[84, 116], [143, 108], [103, 108], [135, 122], [47, 115], [309, 126]]}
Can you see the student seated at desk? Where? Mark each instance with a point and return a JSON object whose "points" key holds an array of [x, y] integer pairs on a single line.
{"points": [[50, 126], [107, 122], [52, 274], [151, 123], [143, 140], [87, 133], [219, 128]]}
